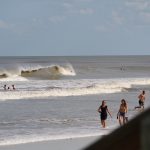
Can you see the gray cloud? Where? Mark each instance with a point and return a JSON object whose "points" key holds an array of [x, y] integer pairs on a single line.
{"points": [[117, 17], [4, 24], [138, 4]]}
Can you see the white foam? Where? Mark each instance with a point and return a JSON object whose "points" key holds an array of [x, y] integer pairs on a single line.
{"points": [[13, 78], [35, 89], [36, 138]]}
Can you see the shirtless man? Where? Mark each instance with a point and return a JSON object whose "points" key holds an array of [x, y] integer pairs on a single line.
{"points": [[141, 98]]}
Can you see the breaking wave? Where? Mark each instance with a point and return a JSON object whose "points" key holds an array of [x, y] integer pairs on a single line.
{"points": [[54, 71]]}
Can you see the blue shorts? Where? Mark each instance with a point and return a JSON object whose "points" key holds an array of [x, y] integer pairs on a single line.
{"points": [[122, 114]]}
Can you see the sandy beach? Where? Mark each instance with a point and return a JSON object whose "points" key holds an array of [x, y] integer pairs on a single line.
{"points": [[65, 144]]}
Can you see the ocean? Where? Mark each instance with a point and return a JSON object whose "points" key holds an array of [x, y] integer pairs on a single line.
{"points": [[57, 97]]}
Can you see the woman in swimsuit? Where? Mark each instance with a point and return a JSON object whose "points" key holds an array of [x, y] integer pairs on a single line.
{"points": [[103, 110], [122, 111]]}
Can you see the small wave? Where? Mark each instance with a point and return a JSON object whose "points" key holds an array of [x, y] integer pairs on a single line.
{"points": [[137, 88], [55, 92], [39, 138]]}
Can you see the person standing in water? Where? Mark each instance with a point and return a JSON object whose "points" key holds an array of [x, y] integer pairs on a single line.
{"points": [[5, 87], [13, 87], [122, 111], [141, 98], [103, 110]]}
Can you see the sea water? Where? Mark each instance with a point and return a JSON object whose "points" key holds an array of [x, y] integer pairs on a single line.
{"points": [[58, 97]]}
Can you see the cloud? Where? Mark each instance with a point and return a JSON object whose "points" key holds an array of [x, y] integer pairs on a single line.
{"points": [[81, 11], [56, 19], [13, 28], [67, 5], [117, 17], [4, 25], [140, 10], [138, 4], [86, 11], [76, 9], [85, 0], [101, 28], [145, 16]]}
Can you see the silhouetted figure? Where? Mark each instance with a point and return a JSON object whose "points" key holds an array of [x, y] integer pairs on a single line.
{"points": [[4, 87], [13, 86]]}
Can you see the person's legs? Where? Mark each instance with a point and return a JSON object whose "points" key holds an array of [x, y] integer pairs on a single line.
{"points": [[124, 119], [140, 105], [103, 123], [137, 107], [120, 120]]}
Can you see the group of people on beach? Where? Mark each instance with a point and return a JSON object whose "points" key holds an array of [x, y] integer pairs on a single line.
{"points": [[12, 87], [123, 109]]}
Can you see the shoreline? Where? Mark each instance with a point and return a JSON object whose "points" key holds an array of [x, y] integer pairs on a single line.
{"points": [[64, 144]]}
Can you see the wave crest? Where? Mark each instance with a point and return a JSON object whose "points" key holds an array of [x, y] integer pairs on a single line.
{"points": [[38, 71]]}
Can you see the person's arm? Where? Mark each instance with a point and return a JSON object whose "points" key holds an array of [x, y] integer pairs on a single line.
{"points": [[126, 109], [118, 115], [109, 113], [99, 109], [143, 97], [118, 112], [140, 96]]}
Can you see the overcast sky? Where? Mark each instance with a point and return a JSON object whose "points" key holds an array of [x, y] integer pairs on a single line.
{"points": [[74, 27]]}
